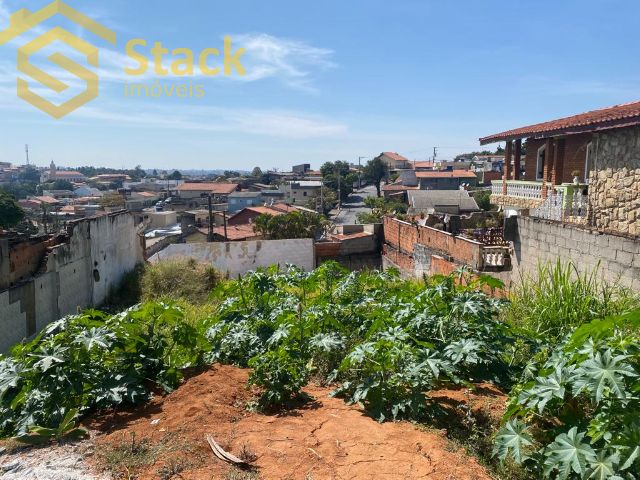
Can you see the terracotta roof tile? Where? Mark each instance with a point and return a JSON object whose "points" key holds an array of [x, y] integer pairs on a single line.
{"points": [[610, 117], [221, 188], [395, 156], [447, 174]]}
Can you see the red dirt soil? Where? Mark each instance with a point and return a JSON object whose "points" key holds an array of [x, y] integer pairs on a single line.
{"points": [[322, 439]]}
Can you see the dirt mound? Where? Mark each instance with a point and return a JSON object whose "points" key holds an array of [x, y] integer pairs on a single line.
{"points": [[322, 439]]}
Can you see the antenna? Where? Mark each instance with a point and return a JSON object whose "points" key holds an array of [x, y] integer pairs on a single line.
{"points": [[26, 151]]}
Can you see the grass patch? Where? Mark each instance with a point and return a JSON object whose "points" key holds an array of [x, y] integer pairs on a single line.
{"points": [[558, 298], [183, 279], [129, 455]]}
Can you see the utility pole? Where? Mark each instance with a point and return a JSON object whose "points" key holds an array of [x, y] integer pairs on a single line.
{"points": [[26, 150], [224, 222], [339, 192], [435, 154], [210, 229]]}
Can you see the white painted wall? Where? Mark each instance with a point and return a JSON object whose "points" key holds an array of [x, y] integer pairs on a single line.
{"points": [[237, 258]]}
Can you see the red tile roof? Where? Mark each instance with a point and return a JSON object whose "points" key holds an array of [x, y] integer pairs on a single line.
{"points": [[236, 232], [610, 117], [220, 188], [395, 156], [422, 164], [447, 174]]}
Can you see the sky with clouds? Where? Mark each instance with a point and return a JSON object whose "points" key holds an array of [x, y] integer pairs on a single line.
{"points": [[324, 80]]}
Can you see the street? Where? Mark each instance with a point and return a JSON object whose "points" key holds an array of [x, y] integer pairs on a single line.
{"points": [[353, 205]]}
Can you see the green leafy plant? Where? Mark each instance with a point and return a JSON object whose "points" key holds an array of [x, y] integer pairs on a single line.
{"points": [[574, 415]]}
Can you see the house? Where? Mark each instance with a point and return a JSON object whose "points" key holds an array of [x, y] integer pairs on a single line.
{"points": [[239, 200], [86, 191], [301, 191], [394, 161], [54, 174], [581, 168], [397, 191], [301, 169], [192, 192], [455, 202], [446, 180]]}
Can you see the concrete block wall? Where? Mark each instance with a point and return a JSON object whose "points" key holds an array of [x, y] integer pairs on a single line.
{"points": [[535, 241], [237, 258]]}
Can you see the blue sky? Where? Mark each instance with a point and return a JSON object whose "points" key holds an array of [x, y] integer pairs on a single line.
{"points": [[330, 80]]}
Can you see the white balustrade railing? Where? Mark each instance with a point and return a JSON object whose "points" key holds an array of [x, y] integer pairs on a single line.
{"points": [[571, 207], [517, 188]]}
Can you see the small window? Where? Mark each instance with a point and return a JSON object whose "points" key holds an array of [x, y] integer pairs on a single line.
{"points": [[304, 194]]}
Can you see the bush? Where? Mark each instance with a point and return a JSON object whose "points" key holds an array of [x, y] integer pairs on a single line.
{"points": [[179, 279], [558, 298], [575, 413]]}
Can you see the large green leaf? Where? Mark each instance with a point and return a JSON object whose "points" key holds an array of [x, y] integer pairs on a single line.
{"points": [[603, 371], [569, 453], [512, 440]]}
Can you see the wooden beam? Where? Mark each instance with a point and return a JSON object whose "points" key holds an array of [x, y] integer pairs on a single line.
{"points": [[507, 164], [516, 159], [548, 157]]}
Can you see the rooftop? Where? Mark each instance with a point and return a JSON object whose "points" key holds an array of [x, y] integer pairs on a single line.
{"points": [[395, 156], [220, 188], [446, 174], [245, 195], [432, 199], [605, 118]]}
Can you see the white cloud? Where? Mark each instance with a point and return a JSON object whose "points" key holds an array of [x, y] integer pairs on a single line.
{"points": [[291, 61], [275, 123]]}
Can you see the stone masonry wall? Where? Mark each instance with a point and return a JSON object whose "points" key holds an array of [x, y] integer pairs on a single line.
{"points": [[614, 184], [535, 241]]}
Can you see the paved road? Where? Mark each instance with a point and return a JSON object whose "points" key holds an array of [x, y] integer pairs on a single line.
{"points": [[353, 205]]}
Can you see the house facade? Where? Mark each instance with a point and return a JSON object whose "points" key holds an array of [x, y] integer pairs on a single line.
{"points": [[394, 161], [239, 200], [581, 169]]}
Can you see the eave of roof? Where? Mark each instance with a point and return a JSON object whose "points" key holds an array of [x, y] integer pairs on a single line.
{"points": [[617, 116]]}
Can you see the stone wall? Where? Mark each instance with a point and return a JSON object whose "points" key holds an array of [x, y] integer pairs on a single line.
{"points": [[616, 258], [614, 184], [80, 270]]}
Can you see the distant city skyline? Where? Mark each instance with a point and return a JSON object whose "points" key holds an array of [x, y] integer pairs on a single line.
{"points": [[329, 81]]}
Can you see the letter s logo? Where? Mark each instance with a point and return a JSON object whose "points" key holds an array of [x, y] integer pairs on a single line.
{"points": [[24, 20]]}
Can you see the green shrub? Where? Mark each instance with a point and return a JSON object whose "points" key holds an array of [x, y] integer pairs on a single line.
{"points": [[575, 413], [94, 360], [179, 279], [280, 373], [550, 303]]}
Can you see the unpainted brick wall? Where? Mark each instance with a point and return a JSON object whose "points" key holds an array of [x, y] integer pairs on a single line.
{"points": [[403, 236]]}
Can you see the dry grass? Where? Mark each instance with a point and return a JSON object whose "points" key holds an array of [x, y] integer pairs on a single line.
{"points": [[184, 279]]}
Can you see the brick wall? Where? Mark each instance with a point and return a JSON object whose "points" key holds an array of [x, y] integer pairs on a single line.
{"points": [[403, 236], [617, 258], [574, 150]]}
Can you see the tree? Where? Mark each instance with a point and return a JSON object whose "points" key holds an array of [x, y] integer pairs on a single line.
{"points": [[482, 198], [10, 212], [29, 175], [176, 175], [154, 173], [111, 200], [231, 173], [379, 208], [256, 172], [374, 171], [289, 225]]}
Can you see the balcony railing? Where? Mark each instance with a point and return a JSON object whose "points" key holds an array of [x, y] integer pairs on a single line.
{"points": [[567, 205], [517, 188]]}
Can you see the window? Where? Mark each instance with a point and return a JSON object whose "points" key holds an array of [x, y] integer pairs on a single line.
{"points": [[304, 194], [540, 162], [588, 161]]}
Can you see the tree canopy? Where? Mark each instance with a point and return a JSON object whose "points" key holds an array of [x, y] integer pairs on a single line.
{"points": [[10, 212], [289, 225], [375, 171], [175, 175]]}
